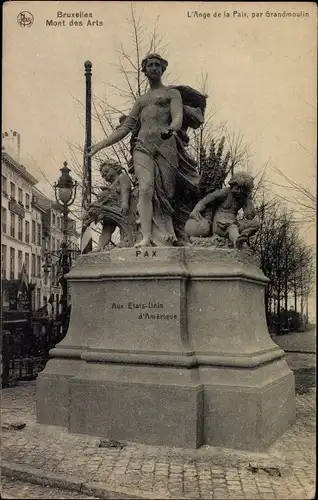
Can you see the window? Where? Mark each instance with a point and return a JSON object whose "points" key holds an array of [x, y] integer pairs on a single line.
{"points": [[12, 228], [33, 231], [4, 261], [33, 300], [72, 225], [38, 258], [54, 219], [27, 232], [27, 264], [27, 201], [20, 195], [39, 234], [19, 261], [12, 189], [57, 300], [58, 222], [38, 298], [4, 184], [20, 221], [53, 243], [4, 219], [12, 263], [33, 265], [53, 274]]}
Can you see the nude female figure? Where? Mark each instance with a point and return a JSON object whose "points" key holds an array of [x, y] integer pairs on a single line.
{"points": [[159, 112]]}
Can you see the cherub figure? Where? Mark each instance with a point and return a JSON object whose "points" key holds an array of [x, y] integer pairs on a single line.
{"points": [[112, 205], [225, 204]]}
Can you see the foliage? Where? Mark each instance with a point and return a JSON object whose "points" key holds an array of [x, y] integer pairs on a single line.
{"points": [[214, 165]]}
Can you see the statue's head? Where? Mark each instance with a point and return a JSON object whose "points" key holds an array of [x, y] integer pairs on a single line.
{"points": [[241, 184], [153, 65], [110, 170]]}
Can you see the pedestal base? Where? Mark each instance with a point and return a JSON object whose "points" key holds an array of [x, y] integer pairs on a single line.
{"points": [[169, 346], [247, 409], [153, 406]]}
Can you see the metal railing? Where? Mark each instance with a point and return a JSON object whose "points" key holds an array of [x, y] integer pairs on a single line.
{"points": [[26, 351]]}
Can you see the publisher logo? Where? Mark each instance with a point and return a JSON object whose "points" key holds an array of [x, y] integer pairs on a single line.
{"points": [[25, 19]]}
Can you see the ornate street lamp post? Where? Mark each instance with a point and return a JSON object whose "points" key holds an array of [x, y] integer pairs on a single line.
{"points": [[65, 193]]}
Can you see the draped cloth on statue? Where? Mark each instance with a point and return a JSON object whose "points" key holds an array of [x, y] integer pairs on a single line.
{"points": [[176, 177], [106, 209]]}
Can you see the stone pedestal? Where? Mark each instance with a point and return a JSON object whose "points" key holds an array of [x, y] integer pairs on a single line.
{"points": [[169, 346]]}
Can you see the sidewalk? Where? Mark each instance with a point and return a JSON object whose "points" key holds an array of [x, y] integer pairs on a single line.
{"points": [[50, 455]]}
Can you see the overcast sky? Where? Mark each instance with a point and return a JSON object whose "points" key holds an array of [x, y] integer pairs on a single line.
{"points": [[262, 74]]}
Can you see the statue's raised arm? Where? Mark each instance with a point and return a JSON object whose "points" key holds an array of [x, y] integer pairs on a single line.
{"points": [[120, 132]]}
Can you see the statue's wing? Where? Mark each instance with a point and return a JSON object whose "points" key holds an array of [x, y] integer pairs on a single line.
{"points": [[191, 97], [194, 104]]}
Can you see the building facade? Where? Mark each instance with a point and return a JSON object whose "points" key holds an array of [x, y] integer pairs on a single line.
{"points": [[32, 232], [53, 230], [21, 221]]}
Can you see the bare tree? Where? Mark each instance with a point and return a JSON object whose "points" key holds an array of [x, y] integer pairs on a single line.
{"points": [[284, 258], [239, 150], [299, 196]]}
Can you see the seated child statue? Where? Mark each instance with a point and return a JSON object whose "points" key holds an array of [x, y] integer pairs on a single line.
{"points": [[225, 204], [112, 206]]}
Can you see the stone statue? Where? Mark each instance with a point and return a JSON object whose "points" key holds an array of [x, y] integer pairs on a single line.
{"points": [[220, 209], [165, 173], [113, 206]]}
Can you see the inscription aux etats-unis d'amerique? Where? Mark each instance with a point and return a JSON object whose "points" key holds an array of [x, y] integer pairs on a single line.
{"points": [[144, 306]]}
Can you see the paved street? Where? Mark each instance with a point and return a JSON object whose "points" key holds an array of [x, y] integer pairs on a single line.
{"points": [[13, 489], [51, 456]]}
